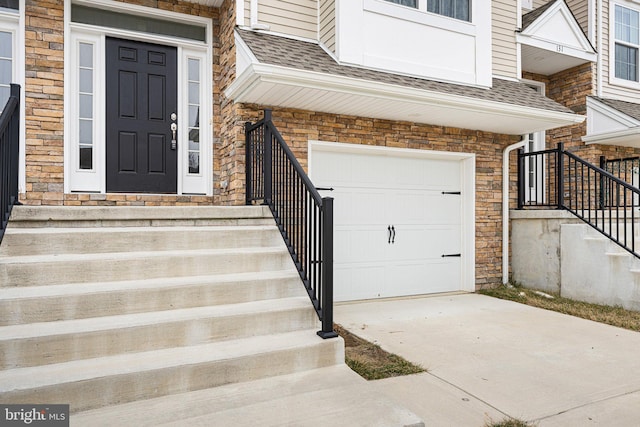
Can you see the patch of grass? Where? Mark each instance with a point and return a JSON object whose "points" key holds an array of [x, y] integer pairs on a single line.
{"points": [[510, 422], [370, 361], [615, 316]]}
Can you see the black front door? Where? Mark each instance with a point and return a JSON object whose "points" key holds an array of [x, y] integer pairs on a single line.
{"points": [[141, 96]]}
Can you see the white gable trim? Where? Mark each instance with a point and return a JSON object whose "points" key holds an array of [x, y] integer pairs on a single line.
{"points": [[557, 30], [606, 125]]}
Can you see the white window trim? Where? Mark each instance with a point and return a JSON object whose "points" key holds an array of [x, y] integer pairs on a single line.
{"points": [[15, 22], [421, 16], [187, 184], [613, 80]]}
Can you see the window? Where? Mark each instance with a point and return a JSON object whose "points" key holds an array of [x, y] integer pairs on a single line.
{"points": [[627, 43], [458, 9], [10, 4], [193, 71], [6, 66], [410, 3], [85, 103]]}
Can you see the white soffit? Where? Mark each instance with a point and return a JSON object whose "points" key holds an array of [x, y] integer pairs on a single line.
{"points": [[609, 126], [278, 86], [554, 42]]}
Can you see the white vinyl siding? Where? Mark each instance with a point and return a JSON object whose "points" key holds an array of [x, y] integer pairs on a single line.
{"points": [[327, 28], [504, 52], [293, 17], [580, 9]]}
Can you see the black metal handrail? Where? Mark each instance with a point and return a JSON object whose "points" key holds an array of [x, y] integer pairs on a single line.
{"points": [[9, 152], [305, 219], [594, 195]]}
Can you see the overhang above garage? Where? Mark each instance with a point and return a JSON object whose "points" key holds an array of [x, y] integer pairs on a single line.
{"points": [[552, 40], [282, 72]]}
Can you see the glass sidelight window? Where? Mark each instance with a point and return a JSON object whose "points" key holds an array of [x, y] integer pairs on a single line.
{"points": [[6, 66], [193, 71], [86, 93]]}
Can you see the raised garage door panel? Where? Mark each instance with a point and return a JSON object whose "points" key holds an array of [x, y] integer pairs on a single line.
{"points": [[374, 191]]}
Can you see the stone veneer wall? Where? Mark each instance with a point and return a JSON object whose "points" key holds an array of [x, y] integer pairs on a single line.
{"points": [[44, 105], [571, 88]]}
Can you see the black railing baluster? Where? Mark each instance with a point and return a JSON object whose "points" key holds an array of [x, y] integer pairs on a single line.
{"points": [[304, 218]]}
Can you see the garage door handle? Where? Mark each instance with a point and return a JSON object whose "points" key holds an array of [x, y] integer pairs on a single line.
{"points": [[389, 230], [324, 189], [457, 193], [451, 256], [393, 230]]}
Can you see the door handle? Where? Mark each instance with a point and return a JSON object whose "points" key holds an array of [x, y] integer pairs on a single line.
{"points": [[393, 230], [174, 142], [389, 230]]}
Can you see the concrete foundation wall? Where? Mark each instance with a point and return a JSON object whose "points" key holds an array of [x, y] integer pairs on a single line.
{"points": [[535, 247]]}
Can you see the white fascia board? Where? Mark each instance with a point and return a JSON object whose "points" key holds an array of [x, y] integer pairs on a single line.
{"points": [[626, 138], [259, 73], [552, 46]]}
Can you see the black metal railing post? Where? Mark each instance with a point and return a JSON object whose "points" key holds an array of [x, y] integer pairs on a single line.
{"points": [[603, 165], [268, 158], [9, 156], [15, 146], [248, 146], [327, 270], [521, 183], [560, 175]]}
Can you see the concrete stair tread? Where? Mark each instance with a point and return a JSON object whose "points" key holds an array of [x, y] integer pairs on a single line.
{"points": [[129, 321], [330, 396], [90, 213], [128, 230], [21, 379], [116, 256], [75, 289]]}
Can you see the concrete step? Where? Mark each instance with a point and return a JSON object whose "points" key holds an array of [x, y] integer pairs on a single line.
{"points": [[137, 216], [81, 268], [43, 241], [84, 300], [331, 396], [57, 342], [91, 383]]}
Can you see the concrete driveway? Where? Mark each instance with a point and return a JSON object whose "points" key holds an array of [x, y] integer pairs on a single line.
{"points": [[489, 359]]}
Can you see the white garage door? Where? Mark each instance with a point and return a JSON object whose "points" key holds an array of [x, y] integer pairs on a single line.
{"points": [[397, 222]]}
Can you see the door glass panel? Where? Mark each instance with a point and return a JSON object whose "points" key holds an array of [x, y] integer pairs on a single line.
{"points": [[5, 44], [10, 4], [85, 105], [6, 66], [143, 24], [193, 72]]}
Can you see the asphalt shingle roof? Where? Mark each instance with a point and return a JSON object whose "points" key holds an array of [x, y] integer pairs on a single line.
{"points": [[301, 55], [530, 17], [631, 109]]}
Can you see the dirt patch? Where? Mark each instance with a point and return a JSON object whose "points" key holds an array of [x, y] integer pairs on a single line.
{"points": [[370, 361]]}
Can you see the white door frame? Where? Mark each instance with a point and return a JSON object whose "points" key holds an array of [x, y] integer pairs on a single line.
{"points": [[76, 180], [468, 166]]}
